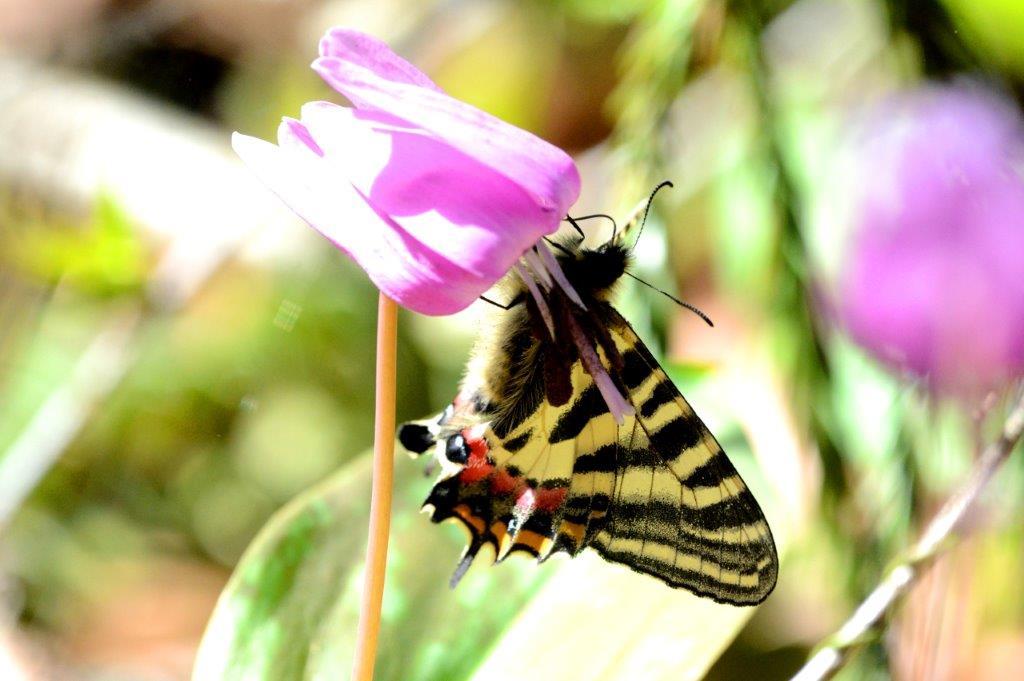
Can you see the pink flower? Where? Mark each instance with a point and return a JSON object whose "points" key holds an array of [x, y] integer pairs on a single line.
{"points": [[934, 282], [433, 198]]}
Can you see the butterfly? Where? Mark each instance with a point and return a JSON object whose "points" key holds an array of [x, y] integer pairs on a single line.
{"points": [[533, 460]]}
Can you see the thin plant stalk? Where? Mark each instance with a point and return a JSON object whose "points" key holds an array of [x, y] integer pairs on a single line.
{"points": [[835, 652], [380, 494]]}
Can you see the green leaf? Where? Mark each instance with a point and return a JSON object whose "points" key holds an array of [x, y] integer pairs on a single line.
{"points": [[103, 256], [992, 28], [602, 12], [290, 609], [687, 375], [602, 622]]}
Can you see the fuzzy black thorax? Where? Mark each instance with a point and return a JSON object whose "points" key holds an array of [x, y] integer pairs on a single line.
{"points": [[593, 272]]}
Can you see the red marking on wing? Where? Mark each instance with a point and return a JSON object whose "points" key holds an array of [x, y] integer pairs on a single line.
{"points": [[477, 445], [502, 483], [477, 466], [550, 499]]}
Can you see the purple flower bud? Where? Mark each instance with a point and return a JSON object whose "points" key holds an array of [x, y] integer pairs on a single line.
{"points": [[934, 280]]}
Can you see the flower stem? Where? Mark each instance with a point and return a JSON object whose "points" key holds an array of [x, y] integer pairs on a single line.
{"points": [[380, 494], [831, 656]]}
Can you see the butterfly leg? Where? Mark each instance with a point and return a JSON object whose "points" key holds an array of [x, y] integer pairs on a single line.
{"points": [[515, 301]]}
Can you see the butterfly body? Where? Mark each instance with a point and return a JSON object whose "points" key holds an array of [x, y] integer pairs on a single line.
{"points": [[533, 460]]}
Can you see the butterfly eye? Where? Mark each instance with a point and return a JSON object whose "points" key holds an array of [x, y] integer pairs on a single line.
{"points": [[456, 450]]}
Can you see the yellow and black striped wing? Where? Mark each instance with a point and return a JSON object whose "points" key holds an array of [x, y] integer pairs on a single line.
{"points": [[655, 493], [679, 510]]}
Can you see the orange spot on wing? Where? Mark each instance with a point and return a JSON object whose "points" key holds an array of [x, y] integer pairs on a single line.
{"points": [[467, 515], [538, 543], [573, 530], [500, 532]]}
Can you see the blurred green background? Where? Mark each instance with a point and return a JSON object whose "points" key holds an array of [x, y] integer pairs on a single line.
{"points": [[179, 357]]}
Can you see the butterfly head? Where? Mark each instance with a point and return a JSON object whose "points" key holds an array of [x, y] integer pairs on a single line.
{"points": [[594, 272]]}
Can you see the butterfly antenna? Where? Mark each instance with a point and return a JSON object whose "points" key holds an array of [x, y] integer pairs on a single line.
{"points": [[596, 215], [692, 308], [575, 225], [558, 247], [647, 210], [575, 222]]}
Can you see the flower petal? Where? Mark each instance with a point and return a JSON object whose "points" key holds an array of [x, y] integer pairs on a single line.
{"points": [[317, 190], [546, 172], [435, 199], [451, 203], [292, 133], [374, 54]]}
